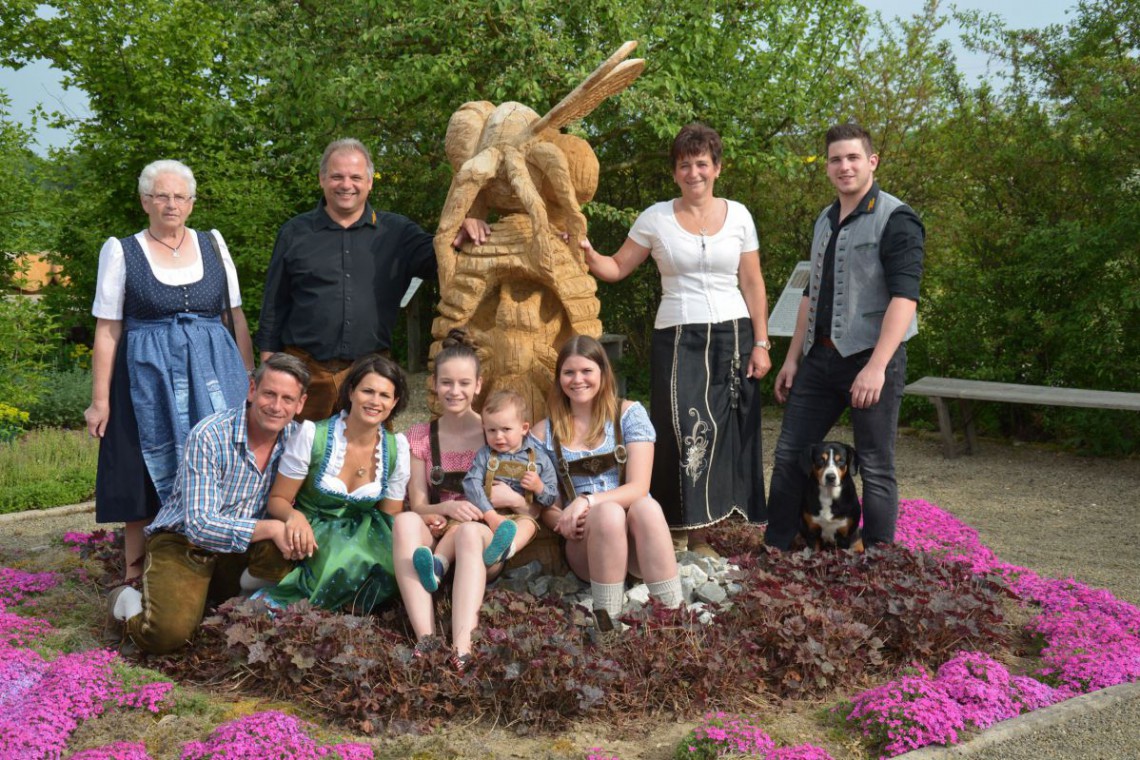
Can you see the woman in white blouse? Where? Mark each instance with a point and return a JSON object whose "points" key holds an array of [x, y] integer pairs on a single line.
{"points": [[710, 343], [162, 358]]}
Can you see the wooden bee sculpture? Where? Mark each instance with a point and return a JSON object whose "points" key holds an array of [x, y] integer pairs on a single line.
{"points": [[527, 288]]}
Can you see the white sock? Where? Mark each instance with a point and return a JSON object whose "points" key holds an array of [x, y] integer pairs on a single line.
{"points": [[250, 583], [668, 592], [128, 604], [510, 551], [608, 596], [443, 563]]}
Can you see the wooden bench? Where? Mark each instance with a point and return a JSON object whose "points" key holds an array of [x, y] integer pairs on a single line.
{"points": [[939, 389]]}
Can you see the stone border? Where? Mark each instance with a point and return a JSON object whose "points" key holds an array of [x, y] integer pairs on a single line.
{"points": [[1032, 722], [40, 514]]}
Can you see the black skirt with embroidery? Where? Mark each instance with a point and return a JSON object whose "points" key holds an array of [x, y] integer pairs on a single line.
{"points": [[708, 461]]}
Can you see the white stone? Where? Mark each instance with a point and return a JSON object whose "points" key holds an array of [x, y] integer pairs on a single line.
{"points": [[712, 593], [688, 589], [639, 595]]}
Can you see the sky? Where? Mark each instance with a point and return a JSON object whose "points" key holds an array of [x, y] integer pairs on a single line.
{"points": [[37, 83]]}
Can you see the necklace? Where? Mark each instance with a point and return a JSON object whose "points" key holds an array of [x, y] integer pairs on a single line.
{"points": [[700, 219], [175, 250], [362, 470]]}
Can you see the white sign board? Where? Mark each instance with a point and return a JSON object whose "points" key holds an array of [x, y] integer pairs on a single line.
{"points": [[782, 321]]}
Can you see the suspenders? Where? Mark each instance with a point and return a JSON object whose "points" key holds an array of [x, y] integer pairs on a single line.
{"points": [[438, 478], [591, 465], [509, 469]]}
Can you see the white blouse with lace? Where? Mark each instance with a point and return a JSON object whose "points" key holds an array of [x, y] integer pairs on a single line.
{"points": [[298, 453]]}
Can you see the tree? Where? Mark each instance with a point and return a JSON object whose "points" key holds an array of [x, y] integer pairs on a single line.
{"points": [[20, 192]]}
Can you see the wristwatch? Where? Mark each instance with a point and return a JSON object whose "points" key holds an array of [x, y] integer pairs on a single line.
{"points": [[764, 344]]}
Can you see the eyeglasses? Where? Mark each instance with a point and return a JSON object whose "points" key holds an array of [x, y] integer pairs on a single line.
{"points": [[164, 199]]}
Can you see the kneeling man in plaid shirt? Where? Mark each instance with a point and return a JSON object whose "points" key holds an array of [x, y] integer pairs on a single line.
{"points": [[211, 540]]}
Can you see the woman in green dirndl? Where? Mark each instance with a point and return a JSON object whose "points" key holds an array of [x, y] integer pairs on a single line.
{"points": [[338, 486]]}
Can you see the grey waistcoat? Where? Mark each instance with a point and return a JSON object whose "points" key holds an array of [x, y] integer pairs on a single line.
{"points": [[861, 296]]}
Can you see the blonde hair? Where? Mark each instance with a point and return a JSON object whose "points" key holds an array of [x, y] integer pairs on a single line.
{"points": [[605, 405], [507, 398]]}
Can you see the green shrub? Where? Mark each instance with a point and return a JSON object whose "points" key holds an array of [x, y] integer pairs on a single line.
{"points": [[13, 422], [63, 397], [47, 468], [28, 336]]}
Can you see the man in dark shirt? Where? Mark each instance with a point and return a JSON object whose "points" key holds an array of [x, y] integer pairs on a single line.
{"points": [[338, 272], [849, 346]]}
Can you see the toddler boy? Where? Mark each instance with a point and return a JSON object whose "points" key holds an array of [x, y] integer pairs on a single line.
{"points": [[514, 457]]}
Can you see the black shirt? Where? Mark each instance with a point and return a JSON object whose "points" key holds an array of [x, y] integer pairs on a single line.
{"points": [[901, 251], [335, 291]]}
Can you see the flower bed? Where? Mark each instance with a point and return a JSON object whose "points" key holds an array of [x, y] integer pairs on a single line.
{"points": [[1088, 640]]}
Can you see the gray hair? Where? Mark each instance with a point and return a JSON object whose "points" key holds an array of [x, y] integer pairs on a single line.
{"points": [[166, 166], [288, 364], [342, 145]]}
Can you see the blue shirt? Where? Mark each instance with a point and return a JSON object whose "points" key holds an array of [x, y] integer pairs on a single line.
{"points": [[474, 483], [219, 494]]}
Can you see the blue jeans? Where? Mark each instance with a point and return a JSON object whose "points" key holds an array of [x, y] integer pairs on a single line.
{"points": [[821, 390]]}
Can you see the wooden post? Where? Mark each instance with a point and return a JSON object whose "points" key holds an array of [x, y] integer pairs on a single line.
{"points": [[949, 448]]}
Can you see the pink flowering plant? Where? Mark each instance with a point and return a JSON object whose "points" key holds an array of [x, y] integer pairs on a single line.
{"points": [[720, 734], [43, 699], [907, 713], [1089, 640], [981, 686], [270, 734]]}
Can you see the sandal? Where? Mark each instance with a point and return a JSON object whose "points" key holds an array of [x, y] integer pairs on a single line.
{"points": [[500, 547], [461, 662], [428, 568]]}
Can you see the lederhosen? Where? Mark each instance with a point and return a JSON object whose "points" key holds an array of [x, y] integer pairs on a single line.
{"points": [[440, 479], [509, 469], [591, 465]]}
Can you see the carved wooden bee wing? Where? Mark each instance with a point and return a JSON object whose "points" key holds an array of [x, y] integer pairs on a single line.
{"points": [[610, 78]]}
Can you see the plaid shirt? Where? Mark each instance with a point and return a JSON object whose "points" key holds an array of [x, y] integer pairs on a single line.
{"points": [[219, 494]]}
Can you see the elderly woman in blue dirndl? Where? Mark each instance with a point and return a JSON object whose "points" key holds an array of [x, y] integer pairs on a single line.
{"points": [[162, 357]]}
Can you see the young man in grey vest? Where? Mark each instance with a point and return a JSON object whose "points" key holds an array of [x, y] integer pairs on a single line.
{"points": [[849, 347]]}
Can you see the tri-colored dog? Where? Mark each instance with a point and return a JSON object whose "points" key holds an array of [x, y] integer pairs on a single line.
{"points": [[831, 511]]}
